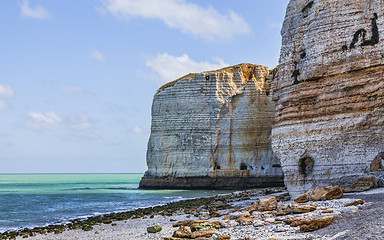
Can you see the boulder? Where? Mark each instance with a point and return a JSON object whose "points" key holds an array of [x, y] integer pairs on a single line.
{"points": [[182, 232], [203, 233], [357, 183], [223, 237], [335, 192], [189, 223], [302, 207], [268, 203], [154, 229], [315, 223], [302, 198], [355, 203], [320, 193]]}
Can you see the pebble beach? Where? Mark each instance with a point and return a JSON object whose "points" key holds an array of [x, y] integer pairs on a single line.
{"points": [[364, 220]]}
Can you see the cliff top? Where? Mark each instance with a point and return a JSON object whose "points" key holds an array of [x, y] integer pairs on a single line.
{"points": [[246, 68]]}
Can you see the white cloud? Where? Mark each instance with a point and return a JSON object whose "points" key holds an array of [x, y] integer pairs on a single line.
{"points": [[48, 120], [137, 130], [5, 91], [37, 12], [97, 55], [189, 18], [79, 120], [51, 120], [168, 68]]}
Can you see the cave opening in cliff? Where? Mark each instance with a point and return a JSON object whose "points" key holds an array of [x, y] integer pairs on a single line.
{"points": [[243, 166], [306, 165], [216, 167]]}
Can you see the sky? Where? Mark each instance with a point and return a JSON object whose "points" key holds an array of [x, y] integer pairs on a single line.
{"points": [[77, 78]]}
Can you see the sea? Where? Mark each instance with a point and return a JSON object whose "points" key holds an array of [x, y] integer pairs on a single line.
{"points": [[36, 200]]}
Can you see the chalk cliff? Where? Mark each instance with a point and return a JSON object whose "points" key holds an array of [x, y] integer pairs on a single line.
{"points": [[329, 119], [212, 131]]}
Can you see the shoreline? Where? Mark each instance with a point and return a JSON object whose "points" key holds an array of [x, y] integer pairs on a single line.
{"points": [[136, 213], [133, 224]]}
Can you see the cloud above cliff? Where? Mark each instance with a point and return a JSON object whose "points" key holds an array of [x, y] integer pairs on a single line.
{"points": [[51, 120], [167, 68], [37, 12], [97, 55], [189, 18], [5, 92]]}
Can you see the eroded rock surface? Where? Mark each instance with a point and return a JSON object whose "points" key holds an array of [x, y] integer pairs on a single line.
{"points": [[329, 93], [212, 130]]}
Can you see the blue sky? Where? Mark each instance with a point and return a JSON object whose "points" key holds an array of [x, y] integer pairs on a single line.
{"points": [[77, 78]]}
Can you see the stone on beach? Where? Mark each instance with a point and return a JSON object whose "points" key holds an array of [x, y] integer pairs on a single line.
{"points": [[188, 222], [203, 233], [314, 223], [154, 229], [355, 203], [320, 193], [302, 207], [182, 232], [357, 183], [268, 203]]}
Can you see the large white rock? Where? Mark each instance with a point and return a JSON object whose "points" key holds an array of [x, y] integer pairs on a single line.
{"points": [[212, 130], [329, 119]]}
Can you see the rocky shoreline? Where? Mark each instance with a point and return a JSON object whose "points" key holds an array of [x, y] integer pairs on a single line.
{"points": [[251, 214]]}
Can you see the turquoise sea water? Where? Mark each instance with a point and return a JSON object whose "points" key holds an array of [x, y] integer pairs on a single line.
{"points": [[29, 200]]}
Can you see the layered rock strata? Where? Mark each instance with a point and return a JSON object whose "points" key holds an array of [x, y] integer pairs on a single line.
{"points": [[212, 131], [329, 119]]}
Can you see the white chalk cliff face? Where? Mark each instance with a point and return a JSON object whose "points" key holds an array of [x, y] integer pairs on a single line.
{"points": [[212, 130], [329, 119]]}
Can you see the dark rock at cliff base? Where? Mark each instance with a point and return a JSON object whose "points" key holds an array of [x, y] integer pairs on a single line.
{"points": [[224, 183]]}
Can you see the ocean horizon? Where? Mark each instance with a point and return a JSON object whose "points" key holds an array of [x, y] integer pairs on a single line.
{"points": [[30, 200]]}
